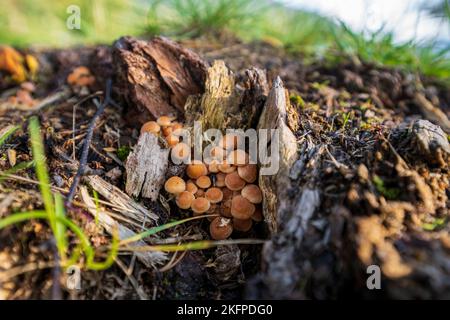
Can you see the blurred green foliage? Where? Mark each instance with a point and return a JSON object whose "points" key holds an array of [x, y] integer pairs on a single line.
{"points": [[41, 22]]}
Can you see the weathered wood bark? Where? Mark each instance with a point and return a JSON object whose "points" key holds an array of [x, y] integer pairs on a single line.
{"points": [[274, 187], [228, 102], [156, 77], [146, 167], [114, 195], [431, 112]]}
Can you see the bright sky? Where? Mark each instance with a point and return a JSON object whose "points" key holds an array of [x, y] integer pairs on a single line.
{"points": [[401, 16]]}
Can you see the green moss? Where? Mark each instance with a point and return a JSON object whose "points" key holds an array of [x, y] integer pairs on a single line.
{"points": [[123, 152], [388, 192]]}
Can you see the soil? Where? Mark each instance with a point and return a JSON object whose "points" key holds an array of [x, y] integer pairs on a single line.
{"points": [[383, 199]]}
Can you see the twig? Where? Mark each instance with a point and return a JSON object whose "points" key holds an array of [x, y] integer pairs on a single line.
{"points": [[87, 142]]}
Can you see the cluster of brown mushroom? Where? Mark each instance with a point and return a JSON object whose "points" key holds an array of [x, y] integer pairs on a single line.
{"points": [[166, 126], [223, 185]]}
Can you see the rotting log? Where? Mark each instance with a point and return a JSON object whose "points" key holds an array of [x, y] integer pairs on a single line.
{"points": [[156, 77], [146, 167], [229, 102]]}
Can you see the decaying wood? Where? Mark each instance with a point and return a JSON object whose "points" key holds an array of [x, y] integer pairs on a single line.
{"points": [[150, 259], [431, 141], [274, 186], [146, 167], [229, 102], [156, 77], [114, 195]]}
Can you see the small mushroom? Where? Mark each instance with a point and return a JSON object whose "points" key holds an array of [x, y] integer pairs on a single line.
{"points": [[220, 228], [225, 208], [200, 205], [238, 157], [176, 126], [242, 225], [191, 187], [213, 166], [172, 140], [181, 152], [241, 208], [252, 193], [166, 131], [234, 182], [200, 193], [175, 185], [203, 182], [184, 200], [248, 172], [196, 169], [214, 195], [150, 126], [227, 194], [226, 167], [165, 121], [220, 180]]}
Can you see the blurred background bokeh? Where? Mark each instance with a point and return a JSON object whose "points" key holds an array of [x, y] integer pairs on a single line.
{"points": [[414, 35]]}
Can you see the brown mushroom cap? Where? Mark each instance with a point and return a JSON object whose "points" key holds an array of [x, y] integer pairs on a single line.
{"points": [[227, 194], [220, 180], [199, 193], [241, 208], [257, 215], [248, 172], [150, 126], [252, 193], [238, 157], [225, 208], [226, 167], [165, 121], [196, 170], [200, 205], [175, 185], [203, 182], [181, 152], [191, 187], [242, 225], [234, 182], [214, 195], [184, 199], [220, 228], [212, 208]]}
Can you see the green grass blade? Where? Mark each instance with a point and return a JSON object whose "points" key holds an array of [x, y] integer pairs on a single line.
{"points": [[7, 134], [60, 230], [41, 169], [157, 229], [194, 245]]}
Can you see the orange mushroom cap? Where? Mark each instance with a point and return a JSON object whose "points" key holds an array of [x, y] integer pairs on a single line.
{"points": [[184, 200], [242, 225], [196, 169], [150, 126], [214, 195], [200, 205], [175, 185], [203, 182]]}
